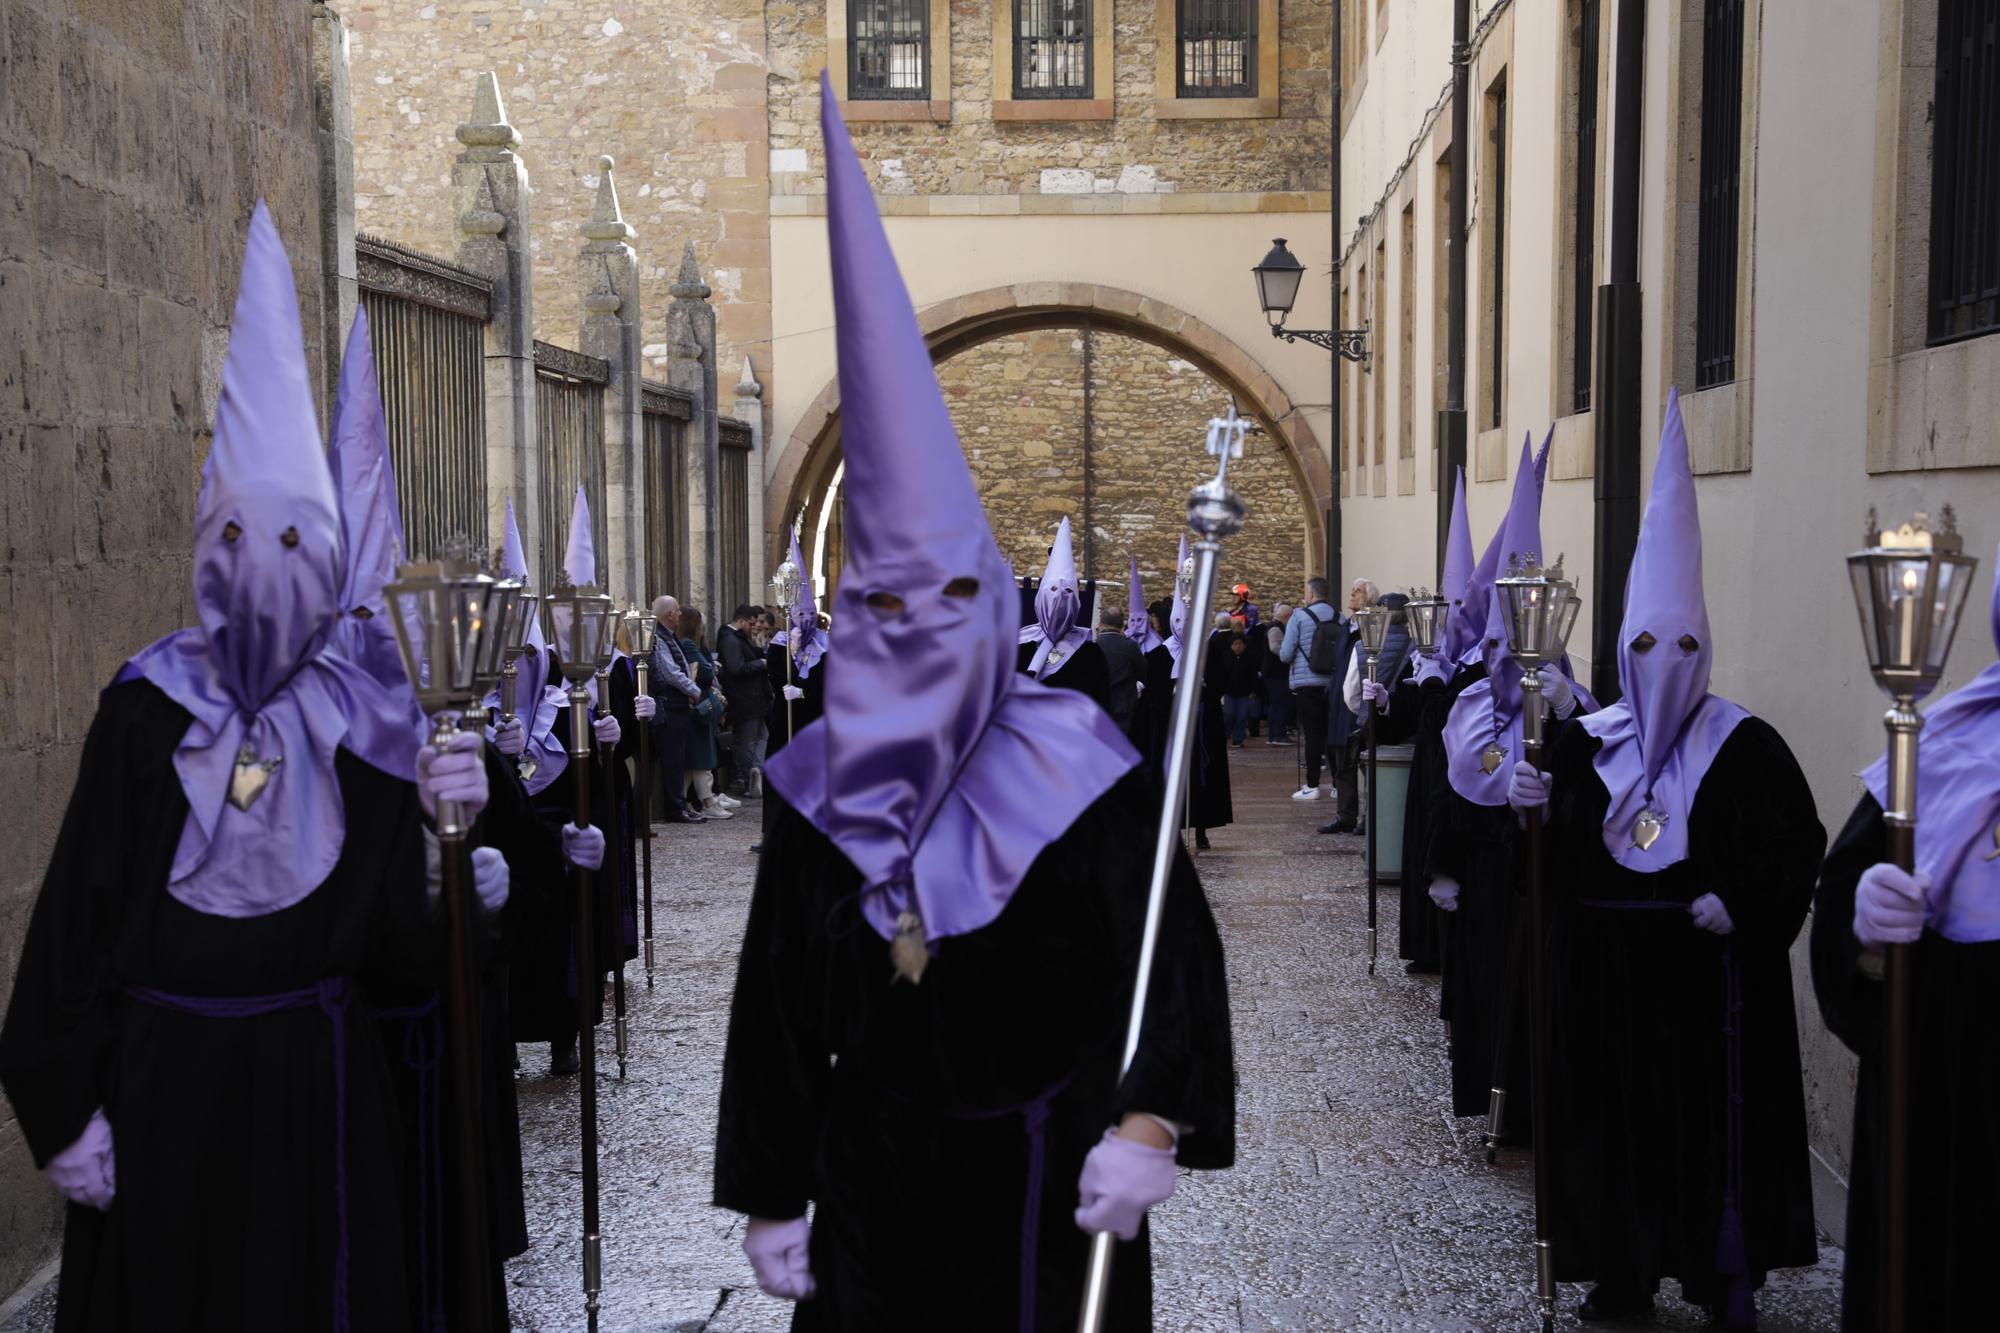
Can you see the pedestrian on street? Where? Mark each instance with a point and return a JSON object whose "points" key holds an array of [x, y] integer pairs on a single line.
{"points": [[1310, 672], [985, 841], [1124, 664], [1240, 683], [674, 691], [1276, 677], [746, 682], [701, 757], [1343, 725]]}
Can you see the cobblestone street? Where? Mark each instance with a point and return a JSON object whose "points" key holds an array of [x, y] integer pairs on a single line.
{"points": [[1357, 1200]]}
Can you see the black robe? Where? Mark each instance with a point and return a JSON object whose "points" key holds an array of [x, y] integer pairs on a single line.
{"points": [[1417, 715], [1677, 1113], [900, 1112], [227, 1130], [1954, 1154], [786, 717], [1085, 671]]}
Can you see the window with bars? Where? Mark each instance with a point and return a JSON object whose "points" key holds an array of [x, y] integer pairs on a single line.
{"points": [[1965, 173], [1721, 174], [888, 50], [1217, 42], [1052, 48], [1583, 294], [1496, 219]]}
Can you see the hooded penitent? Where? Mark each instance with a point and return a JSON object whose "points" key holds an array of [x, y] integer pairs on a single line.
{"points": [[270, 705], [1478, 596], [1958, 802], [1057, 601], [580, 566], [1453, 637], [807, 640], [371, 525], [537, 701], [1177, 618], [1138, 624], [1659, 739], [937, 769]]}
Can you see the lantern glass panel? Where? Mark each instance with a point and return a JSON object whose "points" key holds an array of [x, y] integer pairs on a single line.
{"points": [[1373, 623]]}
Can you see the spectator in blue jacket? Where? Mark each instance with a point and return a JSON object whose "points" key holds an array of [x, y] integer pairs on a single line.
{"points": [[1309, 688]]}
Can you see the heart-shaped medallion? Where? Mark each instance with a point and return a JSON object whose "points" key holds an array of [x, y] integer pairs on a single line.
{"points": [[1490, 757], [1646, 829], [526, 767], [249, 778]]}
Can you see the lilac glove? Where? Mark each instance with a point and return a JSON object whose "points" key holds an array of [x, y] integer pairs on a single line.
{"points": [[644, 707], [1444, 892], [1559, 692], [1889, 905], [777, 1252], [1121, 1179], [87, 1170], [1528, 789], [458, 774], [583, 846], [1709, 914], [489, 878], [607, 731], [1375, 692], [794, 693], [511, 737]]}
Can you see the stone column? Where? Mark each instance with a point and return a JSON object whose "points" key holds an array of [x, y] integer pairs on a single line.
{"points": [[691, 368], [750, 411], [333, 116], [607, 274], [490, 190]]}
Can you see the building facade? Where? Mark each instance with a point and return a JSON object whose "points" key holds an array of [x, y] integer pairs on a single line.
{"points": [[1818, 254]]}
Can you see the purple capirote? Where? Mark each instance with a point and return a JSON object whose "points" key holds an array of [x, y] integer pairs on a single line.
{"points": [[1958, 802], [937, 769], [536, 702], [1657, 742], [256, 674], [1138, 621], [1177, 617], [1058, 599], [1454, 638], [807, 639]]}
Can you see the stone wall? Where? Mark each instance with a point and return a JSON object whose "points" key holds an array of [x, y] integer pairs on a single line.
{"points": [[672, 89], [135, 138], [1019, 405]]}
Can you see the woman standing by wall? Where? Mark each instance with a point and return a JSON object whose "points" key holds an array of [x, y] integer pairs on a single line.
{"points": [[701, 747]]}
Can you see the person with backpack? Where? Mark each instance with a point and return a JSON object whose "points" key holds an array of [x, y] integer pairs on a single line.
{"points": [[1312, 658]]}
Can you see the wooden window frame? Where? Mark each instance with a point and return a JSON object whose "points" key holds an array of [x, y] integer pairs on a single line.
{"points": [[1012, 109], [937, 110], [1169, 105]]}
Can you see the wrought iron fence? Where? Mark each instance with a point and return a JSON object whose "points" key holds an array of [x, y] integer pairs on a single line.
{"points": [[427, 326], [667, 413], [569, 419], [732, 581]]}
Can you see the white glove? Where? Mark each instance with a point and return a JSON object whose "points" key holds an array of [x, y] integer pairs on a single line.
{"points": [[489, 878], [777, 1253], [511, 737], [458, 774], [1375, 692], [794, 693], [644, 707], [1444, 892], [1140, 686], [87, 1170], [1559, 692], [583, 847], [1889, 905], [607, 730], [1710, 915], [1529, 788]]}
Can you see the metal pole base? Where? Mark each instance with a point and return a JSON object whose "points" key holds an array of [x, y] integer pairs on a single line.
{"points": [[649, 962], [1097, 1284], [1496, 1122], [593, 1274], [1545, 1283], [1447, 1036], [618, 1026], [1371, 951]]}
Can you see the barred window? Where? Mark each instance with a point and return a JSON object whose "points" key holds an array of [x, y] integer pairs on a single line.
{"points": [[1965, 178], [1721, 174], [888, 50], [1583, 278], [1052, 48], [1218, 48]]}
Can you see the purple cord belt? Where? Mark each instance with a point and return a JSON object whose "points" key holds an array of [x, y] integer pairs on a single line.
{"points": [[330, 996]]}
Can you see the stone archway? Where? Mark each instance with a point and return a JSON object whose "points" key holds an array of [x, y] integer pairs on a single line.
{"points": [[811, 453]]}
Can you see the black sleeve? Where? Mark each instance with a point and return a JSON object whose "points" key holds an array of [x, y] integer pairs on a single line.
{"points": [[536, 896], [734, 662], [1849, 1000], [1093, 674], [775, 1070], [1774, 840]]}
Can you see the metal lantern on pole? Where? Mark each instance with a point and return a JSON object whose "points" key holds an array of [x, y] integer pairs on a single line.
{"points": [[579, 624], [1372, 623], [1910, 586], [639, 629], [1426, 619], [450, 623], [785, 584], [607, 652], [1540, 607]]}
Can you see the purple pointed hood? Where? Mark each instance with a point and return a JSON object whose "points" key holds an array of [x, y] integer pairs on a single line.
{"points": [[938, 770], [1659, 739], [1058, 599], [1177, 618], [1138, 623], [371, 524], [1958, 802], [1456, 637], [536, 700], [580, 566], [806, 639], [1478, 595], [266, 695]]}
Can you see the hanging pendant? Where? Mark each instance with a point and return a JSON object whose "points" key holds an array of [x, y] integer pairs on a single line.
{"points": [[1647, 828], [526, 767], [907, 951], [1490, 757], [250, 777]]}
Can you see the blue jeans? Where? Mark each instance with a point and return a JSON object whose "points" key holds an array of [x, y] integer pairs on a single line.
{"points": [[1236, 710]]}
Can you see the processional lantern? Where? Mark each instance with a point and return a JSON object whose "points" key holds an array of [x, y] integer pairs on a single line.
{"points": [[1425, 614], [1541, 607]]}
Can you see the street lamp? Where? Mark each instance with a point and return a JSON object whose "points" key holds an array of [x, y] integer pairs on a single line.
{"points": [[639, 631], [1278, 278]]}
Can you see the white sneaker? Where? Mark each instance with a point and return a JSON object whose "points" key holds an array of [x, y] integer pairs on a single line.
{"points": [[1306, 794], [727, 802], [716, 810]]}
